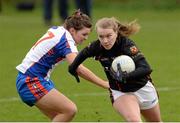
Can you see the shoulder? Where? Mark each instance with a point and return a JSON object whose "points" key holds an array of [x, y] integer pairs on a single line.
{"points": [[63, 38], [93, 48], [129, 47], [63, 35], [60, 32], [127, 42], [94, 44]]}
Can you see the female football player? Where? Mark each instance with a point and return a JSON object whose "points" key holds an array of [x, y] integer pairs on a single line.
{"points": [[132, 94], [33, 81]]}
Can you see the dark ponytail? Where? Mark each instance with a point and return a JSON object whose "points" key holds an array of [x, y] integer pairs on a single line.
{"points": [[78, 20]]}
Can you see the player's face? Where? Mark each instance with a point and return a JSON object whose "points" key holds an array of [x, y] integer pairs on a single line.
{"points": [[80, 35], [107, 37]]}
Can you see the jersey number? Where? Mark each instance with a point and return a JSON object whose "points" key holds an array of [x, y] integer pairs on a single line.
{"points": [[49, 36]]}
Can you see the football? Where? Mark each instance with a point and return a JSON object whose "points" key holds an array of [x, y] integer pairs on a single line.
{"points": [[126, 63]]}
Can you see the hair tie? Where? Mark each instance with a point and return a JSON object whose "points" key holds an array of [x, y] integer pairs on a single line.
{"points": [[79, 13]]}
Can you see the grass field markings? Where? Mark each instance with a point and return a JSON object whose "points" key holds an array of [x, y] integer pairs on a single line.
{"points": [[10, 99], [168, 88], [14, 99], [90, 94]]}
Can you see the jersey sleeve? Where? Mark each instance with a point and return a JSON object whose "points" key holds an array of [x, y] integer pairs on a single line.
{"points": [[92, 49], [83, 55], [67, 44], [71, 46]]}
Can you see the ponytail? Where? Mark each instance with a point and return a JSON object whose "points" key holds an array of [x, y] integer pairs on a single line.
{"points": [[128, 29], [78, 20]]}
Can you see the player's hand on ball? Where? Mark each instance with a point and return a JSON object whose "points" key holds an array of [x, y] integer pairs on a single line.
{"points": [[119, 75]]}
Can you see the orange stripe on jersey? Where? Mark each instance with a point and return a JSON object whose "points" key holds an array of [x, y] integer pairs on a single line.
{"points": [[31, 88], [50, 35]]}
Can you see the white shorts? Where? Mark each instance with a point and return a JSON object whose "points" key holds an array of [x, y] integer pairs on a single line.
{"points": [[147, 96]]}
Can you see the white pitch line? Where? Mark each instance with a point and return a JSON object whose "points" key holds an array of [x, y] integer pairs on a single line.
{"points": [[14, 99], [168, 88], [90, 94], [10, 99]]}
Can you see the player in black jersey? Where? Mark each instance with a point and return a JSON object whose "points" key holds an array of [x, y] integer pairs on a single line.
{"points": [[134, 94]]}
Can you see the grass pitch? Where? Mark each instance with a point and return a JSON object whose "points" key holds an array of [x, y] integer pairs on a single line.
{"points": [[158, 39]]}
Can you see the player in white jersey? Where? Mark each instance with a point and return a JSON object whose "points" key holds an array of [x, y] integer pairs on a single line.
{"points": [[33, 81]]}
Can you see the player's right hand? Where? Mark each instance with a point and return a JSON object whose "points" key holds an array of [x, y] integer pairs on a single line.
{"points": [[119, 75]]}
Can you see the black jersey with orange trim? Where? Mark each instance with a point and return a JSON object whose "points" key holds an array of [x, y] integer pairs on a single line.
{"points": [[134, 80]]}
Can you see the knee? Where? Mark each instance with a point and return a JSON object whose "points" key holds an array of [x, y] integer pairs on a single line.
{"points": [[133, 118], [66, 115], [71, 111]]}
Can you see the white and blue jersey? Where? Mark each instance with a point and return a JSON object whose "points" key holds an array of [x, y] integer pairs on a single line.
{"points": [[47, 52], [34, 72]]}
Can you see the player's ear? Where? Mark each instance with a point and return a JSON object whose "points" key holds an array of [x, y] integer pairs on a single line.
{"points": [[72, 30]]}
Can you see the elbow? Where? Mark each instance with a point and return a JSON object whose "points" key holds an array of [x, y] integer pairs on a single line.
{"points": [[71, 70], [150, 71], [147, 70], [79, 70]]}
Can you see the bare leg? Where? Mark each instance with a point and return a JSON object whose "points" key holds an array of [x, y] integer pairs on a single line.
{"points": [[127, 105], [153, 114], [57, 107]]}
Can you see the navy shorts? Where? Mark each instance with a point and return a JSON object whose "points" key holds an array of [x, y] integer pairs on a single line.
{"points": [[31, 89]]}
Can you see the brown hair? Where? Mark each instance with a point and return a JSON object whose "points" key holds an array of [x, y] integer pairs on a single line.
{"points": [[123, 29], [77, 20]]}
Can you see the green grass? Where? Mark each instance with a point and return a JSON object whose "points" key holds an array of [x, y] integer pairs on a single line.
{"points": [[158, 39]]}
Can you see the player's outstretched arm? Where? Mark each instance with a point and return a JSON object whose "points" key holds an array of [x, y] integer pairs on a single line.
{"points": [[86, 73]]}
